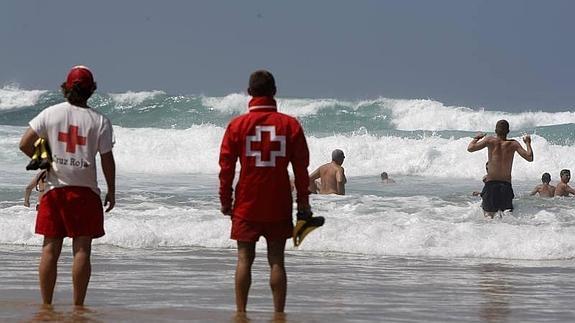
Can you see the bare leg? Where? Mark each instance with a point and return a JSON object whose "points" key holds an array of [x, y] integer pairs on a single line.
{"points": [[48, 270], [81, 269], [278, 277], [246, 256]]}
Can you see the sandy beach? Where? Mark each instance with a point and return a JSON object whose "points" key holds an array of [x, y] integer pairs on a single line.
{"points": [[196, 284]]}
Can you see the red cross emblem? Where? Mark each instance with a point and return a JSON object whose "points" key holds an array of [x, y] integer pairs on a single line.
{"points": [[71, 139], [266, 148]]}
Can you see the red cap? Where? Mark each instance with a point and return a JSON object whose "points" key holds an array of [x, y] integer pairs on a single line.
{"points": [[80, 75]]}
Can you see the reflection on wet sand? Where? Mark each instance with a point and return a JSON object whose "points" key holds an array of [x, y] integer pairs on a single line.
{"points": [[496, 292], [47, 313], [275, 318]]}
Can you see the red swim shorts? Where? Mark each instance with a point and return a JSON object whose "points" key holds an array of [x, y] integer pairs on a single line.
{"points": [[70, 211], [249, 231]]}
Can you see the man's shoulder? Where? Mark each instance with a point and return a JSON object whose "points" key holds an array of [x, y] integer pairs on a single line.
{"points": [[288, 118], [57, 107], [285, 115], [238, 119], [511, 142], [52, 112], [98, 113], [273, 118], [491, 140]]}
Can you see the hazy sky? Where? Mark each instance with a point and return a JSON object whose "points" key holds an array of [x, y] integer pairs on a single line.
{"points": [[501, 55]]}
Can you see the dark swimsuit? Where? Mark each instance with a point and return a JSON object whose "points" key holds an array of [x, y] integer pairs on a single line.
{"points": [[497, 196]]}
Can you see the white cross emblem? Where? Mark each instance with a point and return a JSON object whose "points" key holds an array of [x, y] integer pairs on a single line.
{"points": [[266, 146]]}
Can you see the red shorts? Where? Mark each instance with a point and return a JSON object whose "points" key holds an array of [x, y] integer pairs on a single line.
{"points": [[249, 231], [70, 211]]}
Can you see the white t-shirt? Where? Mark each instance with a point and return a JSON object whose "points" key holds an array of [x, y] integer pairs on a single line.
{"points": [[75, 135]]}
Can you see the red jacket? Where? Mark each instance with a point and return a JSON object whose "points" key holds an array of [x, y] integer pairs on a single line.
{"points": [[265, 141]]}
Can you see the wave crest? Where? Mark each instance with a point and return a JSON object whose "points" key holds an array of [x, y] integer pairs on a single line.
{"points": [[135, 97], [12, 97]]}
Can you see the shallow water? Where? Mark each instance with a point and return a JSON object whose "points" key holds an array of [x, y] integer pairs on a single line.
{"points": [[179, 284]]}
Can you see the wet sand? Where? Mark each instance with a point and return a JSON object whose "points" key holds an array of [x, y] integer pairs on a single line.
{"points": [[196, 284]]}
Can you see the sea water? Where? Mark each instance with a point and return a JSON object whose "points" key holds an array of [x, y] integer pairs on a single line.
{"points": [[167, 149]]}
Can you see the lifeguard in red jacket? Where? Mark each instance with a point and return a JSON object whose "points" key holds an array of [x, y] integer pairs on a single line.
{"points": [[265, 141]]}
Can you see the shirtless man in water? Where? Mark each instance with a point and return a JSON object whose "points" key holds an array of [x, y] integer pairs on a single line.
{"points": [[331, 174], [498, 192], [545, 189], [563, 189]]}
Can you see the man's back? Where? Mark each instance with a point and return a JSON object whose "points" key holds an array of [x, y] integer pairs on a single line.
{"points": [[501, 153], [332, 178], [265, 142], [75, 134]]}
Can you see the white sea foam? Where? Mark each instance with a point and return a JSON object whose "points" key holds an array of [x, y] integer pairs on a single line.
{"points": [[425, 226], [11, 97], [433, 115], [405, 114], [232, 103], [158, 151], [132, 98], [306, 107], [431, 156], [362, 224], [238, 103], [196, 151]]}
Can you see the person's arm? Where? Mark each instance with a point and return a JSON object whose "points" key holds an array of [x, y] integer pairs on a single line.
{"points": [[27, 142], [27, 147], [28, 190], [228, 158], [340, 180], [313, 187], [106, 143], [109, 170], [535, 190], [315, 175], [476, 144], [312, 177], [570, 189], [300, 162], [526, 154]]}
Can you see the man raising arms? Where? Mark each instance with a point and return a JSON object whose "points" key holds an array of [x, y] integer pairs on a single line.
{"points": [[498, 192]]}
